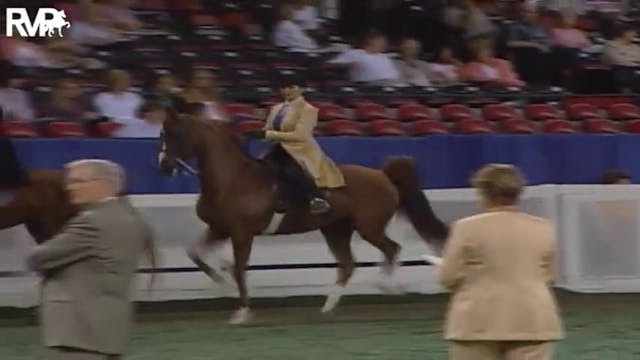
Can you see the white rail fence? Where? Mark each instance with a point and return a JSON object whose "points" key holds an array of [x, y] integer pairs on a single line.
{"points": [[598, 237]]}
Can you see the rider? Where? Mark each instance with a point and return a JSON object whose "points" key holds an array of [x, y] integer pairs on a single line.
{"points": [[290, 125]]}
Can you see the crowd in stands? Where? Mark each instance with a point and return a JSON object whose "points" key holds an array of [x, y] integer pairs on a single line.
{"points": [[197, 50]]}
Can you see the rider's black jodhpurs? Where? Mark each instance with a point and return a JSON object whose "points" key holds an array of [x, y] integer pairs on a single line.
{"points": [[300, 184]]}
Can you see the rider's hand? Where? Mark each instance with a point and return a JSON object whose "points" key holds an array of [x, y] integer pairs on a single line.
{"points": [[256, 134]]}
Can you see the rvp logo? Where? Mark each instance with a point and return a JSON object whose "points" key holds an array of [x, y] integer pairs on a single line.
{"points": [[46, 22]]}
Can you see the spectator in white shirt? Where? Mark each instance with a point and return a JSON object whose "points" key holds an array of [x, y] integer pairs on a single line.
{"points": [[444, 68], [121, 106], [413, 71], [15, 102], [370, 65], [306, 16], [289, 35]]}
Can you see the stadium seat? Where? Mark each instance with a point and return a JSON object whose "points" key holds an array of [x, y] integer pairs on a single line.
{"points": [[204, 20], [64, 129], [245, 126], [497, 112], [517, 126], [367, 111], [558, 126], [427, 127], [342, 128], [472, 126], [329, 111], [242, 111], [105, 129], [538, 112], [385, 128], [18, 129], [581, 111], [624, 112], [455, 112], [413, 112], [600, 126], [633, 126]]}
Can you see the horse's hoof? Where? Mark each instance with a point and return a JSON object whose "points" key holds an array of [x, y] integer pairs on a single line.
{"points": [[390, 287], [332, 299], [241, 316]]}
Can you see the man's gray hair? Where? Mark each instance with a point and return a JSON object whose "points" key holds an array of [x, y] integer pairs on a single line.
{"points": [[105, 170]]}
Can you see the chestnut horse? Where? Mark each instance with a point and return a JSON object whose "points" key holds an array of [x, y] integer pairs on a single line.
{"points": [[240, 195]]}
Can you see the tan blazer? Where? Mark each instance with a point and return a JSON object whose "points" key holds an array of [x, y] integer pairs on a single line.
{"points": [[88, 271], [296, 137], [500, 266]]}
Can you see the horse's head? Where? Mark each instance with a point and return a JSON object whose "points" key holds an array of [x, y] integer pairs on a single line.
{"points": [[177, 141]]}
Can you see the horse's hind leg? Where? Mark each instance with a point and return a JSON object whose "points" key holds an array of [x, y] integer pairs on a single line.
{"points": [[338, 237], [374, 233]]}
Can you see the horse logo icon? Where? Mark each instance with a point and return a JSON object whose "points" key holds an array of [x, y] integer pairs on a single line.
{"points": [[46, 22], [58, 22]]}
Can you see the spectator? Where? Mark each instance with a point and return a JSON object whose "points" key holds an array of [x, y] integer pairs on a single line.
{"points": [[67, 103], [165, 89], [413, 71], [615, 177], [567, 35], [287, 34], [487, 68], [531, 44], [21, 52], [306, 16], [121, 106], [117, 14], [202, 89], [470, 19], [623, 55], [90, 27], [15, 102], [443, 69], [369, 65]]}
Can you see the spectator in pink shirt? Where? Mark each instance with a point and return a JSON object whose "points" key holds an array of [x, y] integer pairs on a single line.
{"points": [[487, 68], [567, 35]]}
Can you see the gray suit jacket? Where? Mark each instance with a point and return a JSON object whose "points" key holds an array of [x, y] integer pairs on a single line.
{"points": [[88, 271]]}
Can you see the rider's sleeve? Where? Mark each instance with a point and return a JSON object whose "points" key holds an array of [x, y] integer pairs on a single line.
{"points": [[269, 123], [302, 131]]}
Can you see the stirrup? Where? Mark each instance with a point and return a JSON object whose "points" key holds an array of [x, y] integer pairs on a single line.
{"points": [[319, 206]]}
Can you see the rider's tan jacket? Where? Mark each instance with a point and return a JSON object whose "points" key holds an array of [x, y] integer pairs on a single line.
{"points": [[296, 137]]}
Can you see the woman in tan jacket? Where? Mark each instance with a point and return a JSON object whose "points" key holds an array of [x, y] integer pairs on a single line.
{"points": [[499, 266]]}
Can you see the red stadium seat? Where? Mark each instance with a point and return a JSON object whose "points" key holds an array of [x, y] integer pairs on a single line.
{"points": [[342, 128], [245, 126], [18, 129], [202, 20], [245, 111], [497, 112], [64, 129], [558, 126], [105, 129], [367, 111], [329, 111], [413, 112], [473, 126], [455, 112], [600, 126], [386, 128], [624, 112], [517, 126], [538, 112], [427, 127], [633, 126], [581, 111]]}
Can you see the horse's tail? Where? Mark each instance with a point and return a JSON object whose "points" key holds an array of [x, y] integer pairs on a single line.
{"points": [[413, 202]]}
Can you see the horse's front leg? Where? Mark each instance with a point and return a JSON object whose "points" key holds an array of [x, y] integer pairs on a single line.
{"points": [[242, 244], [208, 242]]}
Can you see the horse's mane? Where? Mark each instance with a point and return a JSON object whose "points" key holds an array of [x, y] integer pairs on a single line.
{"points": [[226, 131]]}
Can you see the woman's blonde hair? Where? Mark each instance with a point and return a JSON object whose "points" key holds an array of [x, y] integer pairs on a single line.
{"points": [[500, 184]]}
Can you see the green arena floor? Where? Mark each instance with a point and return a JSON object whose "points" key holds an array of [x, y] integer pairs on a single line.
{"points": [[600, 327]]}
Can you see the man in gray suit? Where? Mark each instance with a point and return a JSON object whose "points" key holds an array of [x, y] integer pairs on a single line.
{"points": [[88, 269]]}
